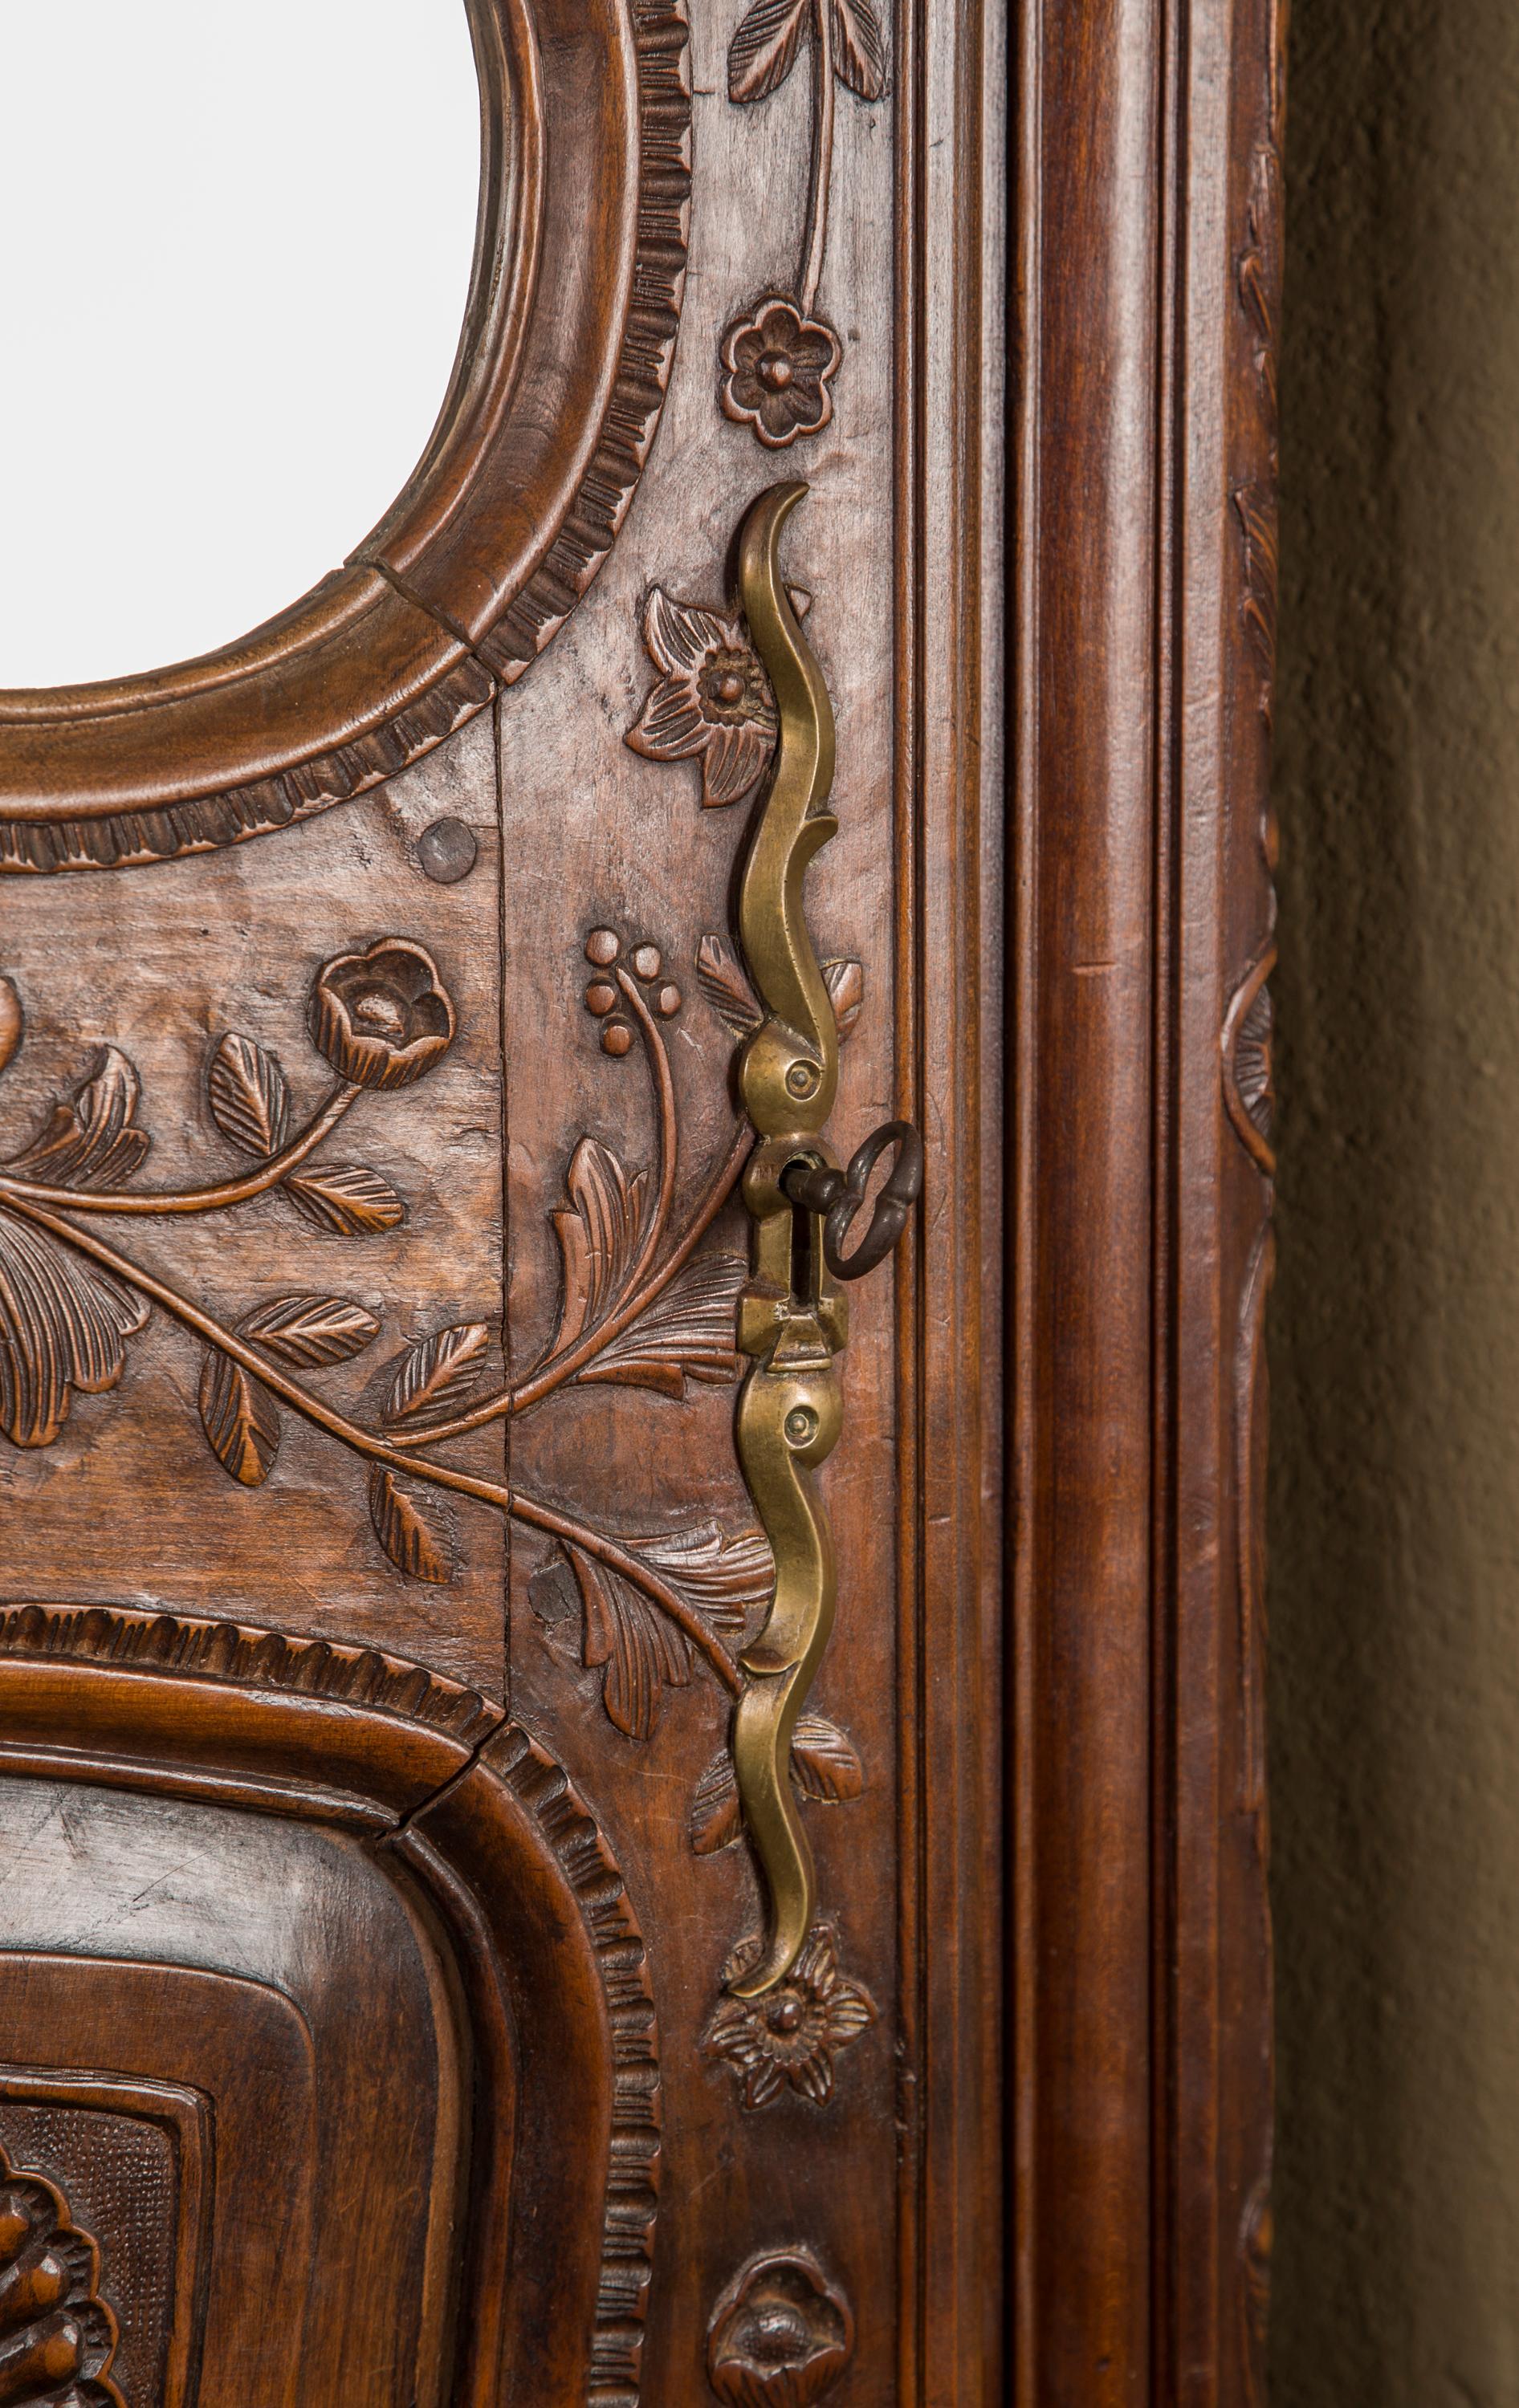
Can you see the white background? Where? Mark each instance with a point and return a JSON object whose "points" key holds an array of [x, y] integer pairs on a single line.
{"points": [[235, 249]]}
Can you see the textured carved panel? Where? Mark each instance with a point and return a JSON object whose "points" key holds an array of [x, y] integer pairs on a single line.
{"points": [[131, 2161], [57, 2336]]}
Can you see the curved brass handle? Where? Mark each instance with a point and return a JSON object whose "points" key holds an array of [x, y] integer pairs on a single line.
{"points": [[790, 1408]]}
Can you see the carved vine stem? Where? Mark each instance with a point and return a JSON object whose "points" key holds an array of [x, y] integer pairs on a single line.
{"points": [[289, 1391], [151, 1202], [642, 1285], [363, 1442], [815, 237], [553, 1372], [780, 357], [606, 1551]]}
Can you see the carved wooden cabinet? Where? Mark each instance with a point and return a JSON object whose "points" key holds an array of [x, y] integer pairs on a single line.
{"points": [[471, 1933]]}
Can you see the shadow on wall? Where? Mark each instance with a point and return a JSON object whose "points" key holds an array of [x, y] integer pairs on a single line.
{"points": [[1396, 1344]]}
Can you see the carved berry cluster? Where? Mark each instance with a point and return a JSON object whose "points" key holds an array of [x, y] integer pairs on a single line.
{"points": [[609, 996]]}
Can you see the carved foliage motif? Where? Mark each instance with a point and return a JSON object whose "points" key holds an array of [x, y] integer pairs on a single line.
{"points": [[1249, 1091], [58, 2337], [780, 2336], [637, 1305], [780, 357], [641, 1304]]}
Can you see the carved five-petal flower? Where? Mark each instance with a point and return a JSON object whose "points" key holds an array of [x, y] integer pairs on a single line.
{"points": [[384, 1017], [778, 367], [713, 702], [792, 2034]]}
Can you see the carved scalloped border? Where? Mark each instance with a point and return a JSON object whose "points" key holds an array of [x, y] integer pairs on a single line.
{"points": [[163, 832], [133, 839], [249, 1655], [546, 1793], [90, 2388], [662, 39]]}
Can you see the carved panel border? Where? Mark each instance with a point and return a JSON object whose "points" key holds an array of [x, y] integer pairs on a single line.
{"points": [[562, 2015]]}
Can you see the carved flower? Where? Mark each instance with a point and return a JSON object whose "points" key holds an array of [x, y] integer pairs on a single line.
{"points": [[792, 2034], [11, 1021], [778, 367], [712, 703], [382, 1018], [780, 2336]]}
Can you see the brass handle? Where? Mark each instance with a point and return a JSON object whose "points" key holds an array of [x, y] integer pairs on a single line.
{"points": [[793, 1321]]}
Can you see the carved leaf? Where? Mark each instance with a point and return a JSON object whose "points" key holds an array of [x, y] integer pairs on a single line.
{"points": [[686, 1333], [349, 1197], [597, 1233], [859, 46], [249, 1096], [311, 1330], [845, 981], [640, 1647], [825, 1764], [435, 1371], [717, 1817], [632, 1639], [240, 1420], [722, 1578], [764, 48], [415, 1541], [722, 982], [61, 1327], [90, 1139]]}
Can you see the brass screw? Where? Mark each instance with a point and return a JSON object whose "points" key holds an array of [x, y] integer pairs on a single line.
{"points": [[802, 1080], [801, 1425]]}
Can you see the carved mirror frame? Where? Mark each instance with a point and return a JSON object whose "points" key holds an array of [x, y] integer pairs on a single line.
{"points": [[575, 295]]}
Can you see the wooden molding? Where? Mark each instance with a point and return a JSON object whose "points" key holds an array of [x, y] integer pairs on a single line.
{"points": [[548, 1958], [1147, 148]]}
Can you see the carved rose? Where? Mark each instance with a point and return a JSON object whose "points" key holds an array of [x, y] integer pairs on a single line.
{"points": [[791, 2035], [10, 1021], [713, 702], [780, 2337], [778, 367], [382, 1018]]}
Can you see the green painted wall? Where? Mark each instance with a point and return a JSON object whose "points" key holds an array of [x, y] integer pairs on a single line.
{"points": [[1395, 1364]]}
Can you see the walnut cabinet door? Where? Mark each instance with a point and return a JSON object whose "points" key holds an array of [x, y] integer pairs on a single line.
{"points": [[593, 1808]]}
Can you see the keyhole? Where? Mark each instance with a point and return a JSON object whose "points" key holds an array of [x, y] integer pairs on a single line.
{"points": [[804, 1255]]}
